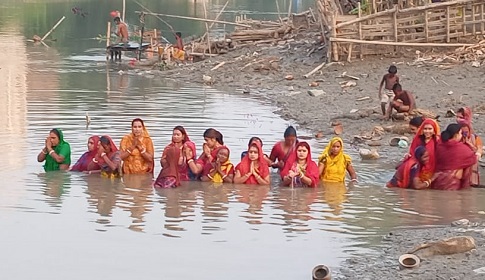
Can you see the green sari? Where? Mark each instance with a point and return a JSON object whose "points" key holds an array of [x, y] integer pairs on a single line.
{"points": [[62, 149]]}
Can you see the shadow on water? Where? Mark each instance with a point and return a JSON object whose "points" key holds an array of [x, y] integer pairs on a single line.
{"points": [[251, 230]]}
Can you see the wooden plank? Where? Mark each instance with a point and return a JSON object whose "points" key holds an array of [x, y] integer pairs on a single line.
{"points": [[376, 15], [400, 43]]}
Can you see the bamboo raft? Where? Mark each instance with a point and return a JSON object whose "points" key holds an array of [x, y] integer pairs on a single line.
{"points": [[384, 25]]}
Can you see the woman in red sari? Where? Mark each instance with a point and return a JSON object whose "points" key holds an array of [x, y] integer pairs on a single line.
{"points": [[475, 143], [221, 170], [83, 162], [454, 161], [253, 168], [181, 140], [169, 176], [283, 149], [300, 170], [408, 174], [428, 137], [213, 142]]}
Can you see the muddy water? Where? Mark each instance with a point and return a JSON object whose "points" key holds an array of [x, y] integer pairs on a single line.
{"points": [[74, 226]]}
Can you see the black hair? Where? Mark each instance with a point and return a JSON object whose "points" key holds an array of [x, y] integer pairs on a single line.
{"points": [[451, 130], [290, 131], [182, 130], [56, 132], [392, 69], [137, 120], [461, 110], [397, 87], [416, 121], [179, 34], [104, 139], [253, 139], [212, 133], [117, 19]]}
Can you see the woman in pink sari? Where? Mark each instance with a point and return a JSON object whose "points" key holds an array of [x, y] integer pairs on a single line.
{"points": [[181, 141], [475, 143], [253, 168], [454, 161], [300, 170], [283, 149], [83, 163], [169, 176], [428, 136]]}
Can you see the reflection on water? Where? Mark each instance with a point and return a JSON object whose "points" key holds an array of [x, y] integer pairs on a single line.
{"points": [[246, 229]]}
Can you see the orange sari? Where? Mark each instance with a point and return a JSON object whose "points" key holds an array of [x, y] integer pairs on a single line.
{"points": [[135, 163]]}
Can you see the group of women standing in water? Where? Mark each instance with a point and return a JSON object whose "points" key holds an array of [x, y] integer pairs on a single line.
{"points": [[179, 159], [446, 160]]}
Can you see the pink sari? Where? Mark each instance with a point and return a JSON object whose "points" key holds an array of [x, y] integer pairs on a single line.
{"points": [[311, 170]]}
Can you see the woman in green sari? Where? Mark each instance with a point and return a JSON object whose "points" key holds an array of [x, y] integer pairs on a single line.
{"points": [[56, 153]]}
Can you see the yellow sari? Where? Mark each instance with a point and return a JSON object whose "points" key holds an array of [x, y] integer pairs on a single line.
{"points": [[335, 166], [227, 167], [135, 163]]}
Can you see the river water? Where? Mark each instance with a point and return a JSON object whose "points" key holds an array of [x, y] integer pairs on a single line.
{"points": [[74, 226]]}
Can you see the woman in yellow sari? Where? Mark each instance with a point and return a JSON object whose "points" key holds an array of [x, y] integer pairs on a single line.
{"points": [[137, 150], [221, 170], [333, 163]]}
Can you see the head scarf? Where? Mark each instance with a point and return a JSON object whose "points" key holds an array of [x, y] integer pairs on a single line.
{"points": [[226, 166], [135, 163], [87, 157], [63, 148], [418, 140], [402, 178], [467, 114], [335, 165], [112, 145], [311, 170], [245, 165]]}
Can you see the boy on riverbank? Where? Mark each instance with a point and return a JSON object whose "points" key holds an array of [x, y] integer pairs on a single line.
{"points": [[389, 80]]}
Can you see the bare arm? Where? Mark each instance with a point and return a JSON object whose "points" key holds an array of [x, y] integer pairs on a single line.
{"points": [[42, 154], [351, 170], [419, 185], [238, 179], [381, 85]]}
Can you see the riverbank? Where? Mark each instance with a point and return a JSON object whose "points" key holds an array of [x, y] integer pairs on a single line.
{"points": [[384, 265], [339, 92]]}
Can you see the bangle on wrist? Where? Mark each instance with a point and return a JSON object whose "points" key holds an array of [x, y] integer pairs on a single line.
{"points": [[210, 177], [224, 177], [95, 160], [103, 154], [43, 151], [128, 151], [52, 151], [190, 160], [144, 151]]}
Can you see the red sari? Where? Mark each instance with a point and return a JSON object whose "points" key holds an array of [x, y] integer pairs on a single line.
{"points": [[311, 170], [184, 169], [203, 160], [450, 157], [429, 168], [244, 166], [83, 162], [169, 176], [277, 153]]}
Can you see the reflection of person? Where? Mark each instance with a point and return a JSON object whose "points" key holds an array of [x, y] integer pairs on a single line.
{"points": [[254, 197], [283, 149], [221, 170], [475, 143], [56, 185], [56, 153], [454, 160], [334, 195], [300, 170], [135, 197], [82, 163], [333, 163], [169, 176], [253, 168], [137, 150], [409, 174]]}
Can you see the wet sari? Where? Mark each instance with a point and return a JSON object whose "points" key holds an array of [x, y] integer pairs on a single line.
{"points": [[477, 142], [262, 169], [184, 171], [335, 166], [277, 152], [135, 163], [83, 162], [451, 157], [309, 169], [62, 149], [169, 176], [429, 168], [227, 167], [115, 157], [408, 170]]}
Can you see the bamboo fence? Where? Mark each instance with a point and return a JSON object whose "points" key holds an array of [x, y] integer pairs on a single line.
{"points": [[383, 26]]}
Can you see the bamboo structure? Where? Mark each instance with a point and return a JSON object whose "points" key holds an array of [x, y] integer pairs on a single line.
{"points": [[384, 25]]}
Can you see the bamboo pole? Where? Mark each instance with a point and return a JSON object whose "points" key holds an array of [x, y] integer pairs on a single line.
{"points": [[54, 27], [426, 26], [482, 17], [217, 17], [124, 9], [463, 14], [314, 70], [364, 18], [289, 9], [447, 24], [207, 29], [278, 10], [474, 30], [386, 43], [108, 34], [361, 54], [197, 19], [394, 18], [334, 35]]}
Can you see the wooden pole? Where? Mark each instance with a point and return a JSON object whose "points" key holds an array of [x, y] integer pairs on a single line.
{"points": [[207, 29], [482, 17], [314, 70], [463, 14], [385, 43], [197, 19], [108, 34], [426, 25], [447, 24], [289, 10], [361, 49], [217, 17], [278, 10], [334, 36], [52, 29], [387, 12], [124, 9]]}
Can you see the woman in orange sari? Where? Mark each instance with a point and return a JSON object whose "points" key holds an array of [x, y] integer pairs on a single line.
{"points": [[428, 135], [137, 150], [300, 170], [221, 170], [253, 168], [408, 174]]}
